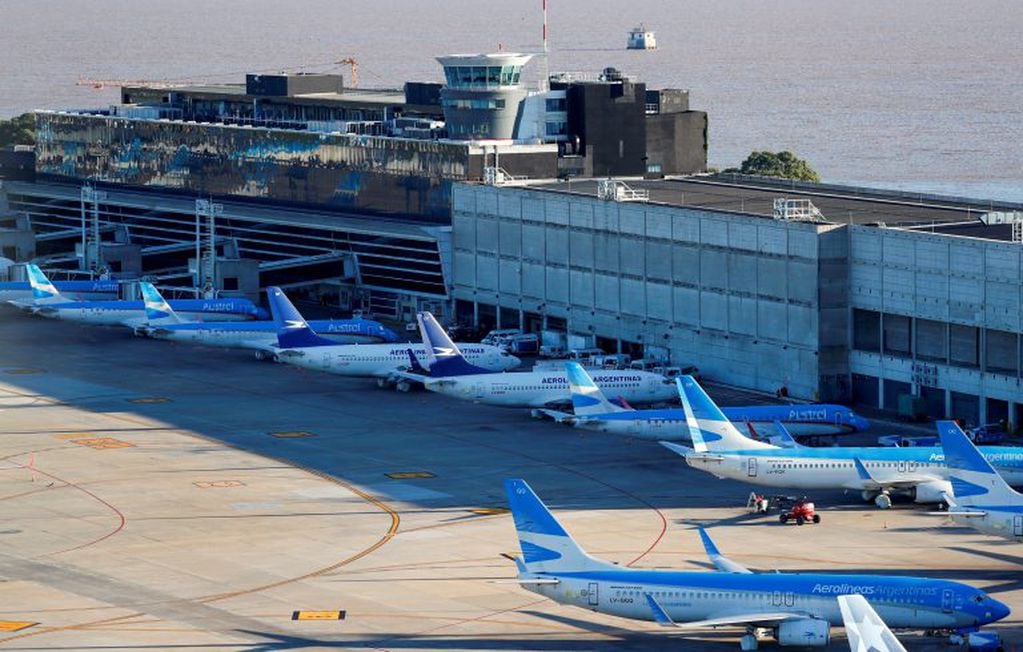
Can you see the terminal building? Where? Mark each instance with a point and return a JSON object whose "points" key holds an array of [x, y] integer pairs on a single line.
{"points": [[569, 211], [835, 294]]}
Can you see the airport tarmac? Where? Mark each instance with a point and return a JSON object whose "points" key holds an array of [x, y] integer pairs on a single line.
{"points": [[161, 496]]}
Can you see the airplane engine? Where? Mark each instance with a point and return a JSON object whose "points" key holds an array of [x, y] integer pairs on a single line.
{"points": [[805, 632], [932, 492]]}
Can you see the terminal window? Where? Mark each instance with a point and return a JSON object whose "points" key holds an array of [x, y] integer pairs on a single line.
{"points": [[866, 330]]}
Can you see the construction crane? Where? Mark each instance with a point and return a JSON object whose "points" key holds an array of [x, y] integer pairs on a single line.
{"points": [[355, 69]]}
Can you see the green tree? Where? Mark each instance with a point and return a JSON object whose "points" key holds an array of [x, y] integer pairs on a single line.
{"points": [[785, 165], [20, 130]]}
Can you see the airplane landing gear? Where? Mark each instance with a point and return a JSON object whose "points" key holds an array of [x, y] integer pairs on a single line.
{"points": [[883, 501], [748, 642]]}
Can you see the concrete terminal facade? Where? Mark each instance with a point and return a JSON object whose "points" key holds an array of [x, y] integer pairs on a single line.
{"points": [[845, 312]]}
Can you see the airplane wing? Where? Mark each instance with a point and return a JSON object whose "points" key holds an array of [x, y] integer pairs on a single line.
{"points": [[765, 619], [662, 618], [869, 482], [287, 354], [557, 415], [255, 345], [864, 628], [720, 562]]}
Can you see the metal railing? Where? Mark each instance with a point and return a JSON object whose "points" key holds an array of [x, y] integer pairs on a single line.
{"points": [[614, 190]]}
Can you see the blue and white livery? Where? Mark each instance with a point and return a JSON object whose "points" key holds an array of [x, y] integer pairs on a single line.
{"points": [[876, 472], [298, 344], [591, 410], [451, 374], [49, 302], [980, 497], [258, 335], [19, 292], [798, 608]]}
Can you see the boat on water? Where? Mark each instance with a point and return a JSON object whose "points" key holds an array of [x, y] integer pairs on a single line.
{"points": [[640, 38]]}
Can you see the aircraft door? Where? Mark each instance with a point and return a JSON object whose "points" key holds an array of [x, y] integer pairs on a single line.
{"points": [[592, 594], [946, 600], [751, 467], [1017, 525]]}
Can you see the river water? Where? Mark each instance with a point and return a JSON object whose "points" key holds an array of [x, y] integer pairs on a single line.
{"points": [[919, 94]]}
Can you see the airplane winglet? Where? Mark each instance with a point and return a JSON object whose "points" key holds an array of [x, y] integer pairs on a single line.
{"points": [[414, 365], [708, 543], [785, 438], [720, 562], [661, 616]]}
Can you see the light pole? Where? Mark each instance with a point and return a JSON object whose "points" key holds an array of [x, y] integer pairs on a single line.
{"points": [[206, 266]]}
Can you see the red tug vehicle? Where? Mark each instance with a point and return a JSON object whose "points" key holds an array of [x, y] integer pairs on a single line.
{"points": [[801, 511]]}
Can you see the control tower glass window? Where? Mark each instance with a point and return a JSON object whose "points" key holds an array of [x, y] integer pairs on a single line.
{"points": [[482, 76]]}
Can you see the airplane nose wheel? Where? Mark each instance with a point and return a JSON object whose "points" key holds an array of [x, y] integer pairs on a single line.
{"points": [[883, 501]]}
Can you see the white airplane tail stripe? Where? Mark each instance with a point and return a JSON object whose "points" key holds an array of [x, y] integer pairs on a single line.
{"points": [[709, 429], [43, 291], [587, 399], [864, 628]]}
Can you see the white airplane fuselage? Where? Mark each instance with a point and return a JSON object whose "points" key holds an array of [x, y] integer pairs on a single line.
{"points": [[821, 469], [1006, 523], [104, 316], [652, 429], [385, 360], [542, 388], [688, 597], [240, 338]]}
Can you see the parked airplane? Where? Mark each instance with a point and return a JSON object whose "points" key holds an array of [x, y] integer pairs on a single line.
{"points": [[876, 472], [866, 631], [49, 302], [74, 290], [299, 345], [259, 335], [799, 608], [452, 375], [591, 410], [980, 497]]}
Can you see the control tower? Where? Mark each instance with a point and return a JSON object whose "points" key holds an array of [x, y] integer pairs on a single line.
{"points": [[483, 96]]}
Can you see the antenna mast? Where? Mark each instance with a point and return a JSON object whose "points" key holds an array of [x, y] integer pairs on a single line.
{"points": [[546, 70]]}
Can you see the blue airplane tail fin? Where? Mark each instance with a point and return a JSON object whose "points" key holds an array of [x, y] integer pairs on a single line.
{"points": [[158, 311], [443, 355], [292, 329], [43, 291], [546, 546], [709, 429], [974, 480], [587, 399]]}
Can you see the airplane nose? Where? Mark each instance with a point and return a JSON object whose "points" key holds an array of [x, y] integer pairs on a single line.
{"points": [[997, 611]]}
